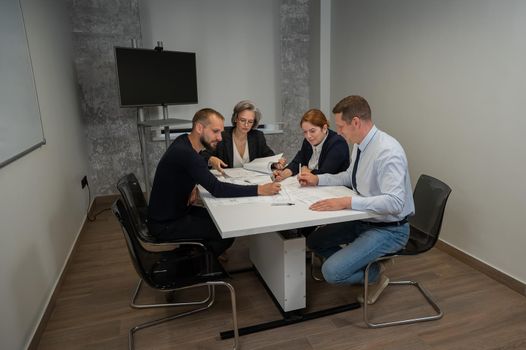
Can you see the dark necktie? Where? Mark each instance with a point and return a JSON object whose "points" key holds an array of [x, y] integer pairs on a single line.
{"points": [[355, 166]]}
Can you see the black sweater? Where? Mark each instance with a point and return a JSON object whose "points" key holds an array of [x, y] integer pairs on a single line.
{"points": [[178, 171]]}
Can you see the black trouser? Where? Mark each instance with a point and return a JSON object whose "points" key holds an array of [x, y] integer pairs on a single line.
{"points": [[196, 224], [306, 231]]}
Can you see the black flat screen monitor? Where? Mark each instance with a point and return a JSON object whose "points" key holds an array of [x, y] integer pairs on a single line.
{"points": [[155, 77]]}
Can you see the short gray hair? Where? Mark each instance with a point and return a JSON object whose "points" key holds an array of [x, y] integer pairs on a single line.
{"points": [[244, 106]]}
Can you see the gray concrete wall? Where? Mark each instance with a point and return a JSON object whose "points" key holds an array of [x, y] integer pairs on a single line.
{"points": [[295, 53], [111, 135]]}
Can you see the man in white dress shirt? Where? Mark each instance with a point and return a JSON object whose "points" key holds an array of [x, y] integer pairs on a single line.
{"points": [[378, 172]]}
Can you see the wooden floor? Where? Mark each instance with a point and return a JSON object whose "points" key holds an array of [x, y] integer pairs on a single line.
{"points": [[92, 310]]}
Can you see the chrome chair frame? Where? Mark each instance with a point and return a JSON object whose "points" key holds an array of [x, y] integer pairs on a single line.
{"points": [[211, 285], [423, 291], [436, 213], [209, 298], [135, 305]]}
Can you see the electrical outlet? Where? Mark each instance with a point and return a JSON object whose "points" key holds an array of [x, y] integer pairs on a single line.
{"points": [[84, 182]]}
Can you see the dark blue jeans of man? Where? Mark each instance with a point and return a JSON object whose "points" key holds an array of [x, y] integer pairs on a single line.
{"points": [[365, 243]]}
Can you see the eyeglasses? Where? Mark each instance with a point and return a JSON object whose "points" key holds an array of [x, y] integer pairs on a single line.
{"points": [[245, 121]]}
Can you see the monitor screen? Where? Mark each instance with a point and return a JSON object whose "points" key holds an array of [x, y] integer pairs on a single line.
{"points": [[152, 77]]}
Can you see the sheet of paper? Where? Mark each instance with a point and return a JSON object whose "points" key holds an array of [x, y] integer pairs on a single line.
{"points": [[242, 176], [282, 197], [310, 195]]}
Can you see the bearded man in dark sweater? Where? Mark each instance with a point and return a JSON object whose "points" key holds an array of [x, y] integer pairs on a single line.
{"points": [[171, 213]]}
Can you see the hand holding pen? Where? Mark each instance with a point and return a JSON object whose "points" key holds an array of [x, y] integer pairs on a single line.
{"points": [[269, 189], [277, 170], [280, 175], [306, 178], [280, 164]]}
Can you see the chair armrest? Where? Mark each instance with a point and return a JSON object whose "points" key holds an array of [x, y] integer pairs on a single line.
{"points": [[167, 246], [158, 247]]}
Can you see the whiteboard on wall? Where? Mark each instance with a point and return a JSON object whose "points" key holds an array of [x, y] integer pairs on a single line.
{"points": [[20, 123]]}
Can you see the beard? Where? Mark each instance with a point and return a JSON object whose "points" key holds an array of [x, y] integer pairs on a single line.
{"points": [[207, 144]]}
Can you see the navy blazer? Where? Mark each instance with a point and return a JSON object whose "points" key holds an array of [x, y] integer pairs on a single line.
{"points": [[257, 147], [334, 156]]}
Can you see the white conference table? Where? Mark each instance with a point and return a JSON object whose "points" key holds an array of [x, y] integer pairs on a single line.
{"points": [[279, 257], [236, 217], [244, 219], [280, 260]]}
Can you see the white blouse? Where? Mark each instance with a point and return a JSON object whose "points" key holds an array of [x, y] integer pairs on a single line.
{"points": [[316, 151], [238, 160]]}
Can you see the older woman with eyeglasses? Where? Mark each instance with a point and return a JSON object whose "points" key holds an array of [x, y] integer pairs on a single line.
{"points": [[243, 142]]}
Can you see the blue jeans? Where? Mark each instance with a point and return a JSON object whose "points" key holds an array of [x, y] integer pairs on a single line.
{"points": [[366, 243]]}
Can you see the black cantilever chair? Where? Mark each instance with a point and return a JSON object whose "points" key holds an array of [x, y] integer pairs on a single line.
{"points": [[133, 198], [430, 196], [188, 265], [135, 203]]}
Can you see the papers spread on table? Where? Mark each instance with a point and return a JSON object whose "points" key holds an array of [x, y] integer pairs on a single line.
{"points": [[263, 165], [291, 191], [309, 195], [242, 176]]}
